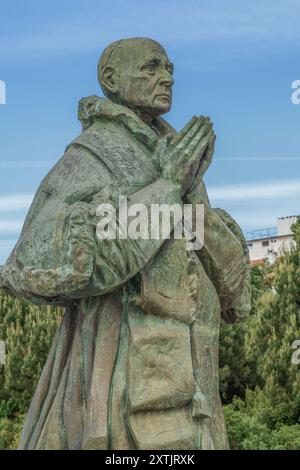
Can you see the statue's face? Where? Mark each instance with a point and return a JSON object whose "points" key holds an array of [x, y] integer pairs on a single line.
{"points": [[145, 79]]}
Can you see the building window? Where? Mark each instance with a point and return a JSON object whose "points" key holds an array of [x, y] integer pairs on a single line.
{"points": [[249, 244], [265, 243]]}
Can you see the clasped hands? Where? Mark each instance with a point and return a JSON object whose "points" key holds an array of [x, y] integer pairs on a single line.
{"points": [[188, 154]]}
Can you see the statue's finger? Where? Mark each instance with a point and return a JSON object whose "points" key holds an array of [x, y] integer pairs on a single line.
{"points": [[204, 131], [211, 143], [191, 126], [188, 153], [200, 148], [186, 128], [182, 149], [206, 159], [210, 148]]}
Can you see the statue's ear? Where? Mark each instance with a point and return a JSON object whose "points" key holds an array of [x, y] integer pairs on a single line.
{"points": [[109, 79]]}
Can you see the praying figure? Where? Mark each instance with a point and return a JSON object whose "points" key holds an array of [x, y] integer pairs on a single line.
{"points": [[134, 362]]}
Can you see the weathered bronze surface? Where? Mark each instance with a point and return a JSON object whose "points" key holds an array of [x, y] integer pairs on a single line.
{"points": [[134, 363]]}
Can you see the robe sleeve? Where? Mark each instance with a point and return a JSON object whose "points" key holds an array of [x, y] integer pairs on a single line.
{"points": [[76, 263], [225, 257]]}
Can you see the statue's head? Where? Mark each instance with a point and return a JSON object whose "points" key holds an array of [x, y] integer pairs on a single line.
{"points": [[137, 73]]}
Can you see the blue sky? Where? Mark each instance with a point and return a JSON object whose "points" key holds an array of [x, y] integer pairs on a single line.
{"points": [[234, 61]]}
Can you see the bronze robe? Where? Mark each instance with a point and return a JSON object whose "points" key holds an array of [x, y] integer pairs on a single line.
{"points": [[134, 363]]}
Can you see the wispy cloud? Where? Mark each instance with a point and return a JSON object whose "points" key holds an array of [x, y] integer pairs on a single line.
{"points": [[258, 205], [15, 202], [253, 205], [83, 29], [5, 247], [260, 191], [255, 219], [237, 192], [21, 164], [10, 226]]}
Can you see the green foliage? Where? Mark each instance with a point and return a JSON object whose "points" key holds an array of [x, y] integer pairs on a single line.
{"points": [[10, 431], [248, 432], [267, 416], [245, 432], [236, 372], [271, 405], [262, 280], [274, 327], [258, 382], [28, 332]]}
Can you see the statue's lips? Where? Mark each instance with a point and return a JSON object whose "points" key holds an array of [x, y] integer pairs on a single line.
{"points": [[164, 96]]}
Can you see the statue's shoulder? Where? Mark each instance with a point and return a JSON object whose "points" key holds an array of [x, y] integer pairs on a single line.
{"points": [[114, 143], [103, 133], [80, 170]]}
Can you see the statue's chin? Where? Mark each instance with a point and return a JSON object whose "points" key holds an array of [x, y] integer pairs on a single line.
{"points": [[154, 111], [162, 108]]}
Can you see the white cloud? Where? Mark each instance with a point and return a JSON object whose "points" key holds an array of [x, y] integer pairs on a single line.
{"points": [[255, 205], [11, 226], [252, 220], [171, 21], [262, 191], [6, 247], [15, 202], [258, 205], [18, 164]]}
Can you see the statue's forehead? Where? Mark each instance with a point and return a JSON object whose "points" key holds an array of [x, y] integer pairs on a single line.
{"points": [[142, 50]]}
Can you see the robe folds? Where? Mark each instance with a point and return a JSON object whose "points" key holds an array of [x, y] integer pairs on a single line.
{"points": [[134, 363]]}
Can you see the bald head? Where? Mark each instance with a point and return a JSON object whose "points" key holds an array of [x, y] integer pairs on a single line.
{"points": [[118, 55], [128, 64]]}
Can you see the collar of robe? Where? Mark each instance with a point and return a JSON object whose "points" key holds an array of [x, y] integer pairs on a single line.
{"points": [[94, 107]]}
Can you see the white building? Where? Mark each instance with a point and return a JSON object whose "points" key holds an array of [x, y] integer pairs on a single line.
{"points": [[267, 244]]}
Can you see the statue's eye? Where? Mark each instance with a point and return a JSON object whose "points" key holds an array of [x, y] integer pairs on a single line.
{"points": [[150, 68]]}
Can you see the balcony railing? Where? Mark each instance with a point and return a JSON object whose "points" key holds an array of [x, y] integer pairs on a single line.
{"points": [[261, 233]]}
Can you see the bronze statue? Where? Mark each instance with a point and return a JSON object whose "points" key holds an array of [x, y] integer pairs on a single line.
{"points": [[134, 363]]}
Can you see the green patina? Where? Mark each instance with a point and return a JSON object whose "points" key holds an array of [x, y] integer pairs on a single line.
{"points": [[134, 363]]}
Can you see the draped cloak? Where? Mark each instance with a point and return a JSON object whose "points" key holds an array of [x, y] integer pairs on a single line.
{"points": [[134, 362]]}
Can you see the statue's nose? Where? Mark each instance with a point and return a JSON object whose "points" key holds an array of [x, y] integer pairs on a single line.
{"points": [[167, 79]]}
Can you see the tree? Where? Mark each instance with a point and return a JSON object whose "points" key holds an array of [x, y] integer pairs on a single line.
{"points": [[275, 326], [28, 332], [237, 371]]}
